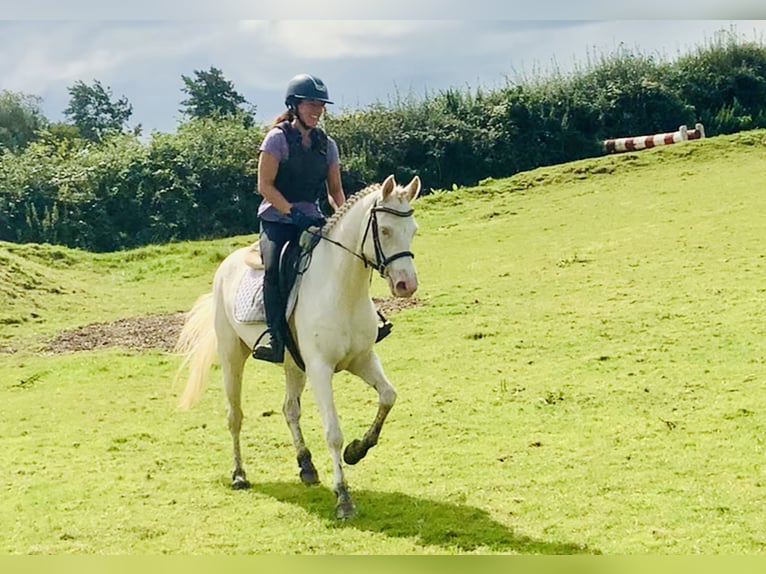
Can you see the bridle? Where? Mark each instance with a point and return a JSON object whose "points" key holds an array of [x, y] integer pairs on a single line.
{"points": [[381, 262]]}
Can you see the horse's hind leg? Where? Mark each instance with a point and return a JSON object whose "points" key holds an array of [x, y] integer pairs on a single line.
{"points": [[371, 371], [295, 381], [233, 355]]}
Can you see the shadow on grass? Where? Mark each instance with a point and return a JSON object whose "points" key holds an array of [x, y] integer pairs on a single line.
{"points": [[451, 526]]}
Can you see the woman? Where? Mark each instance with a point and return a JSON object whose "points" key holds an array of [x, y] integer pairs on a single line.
{"points": [[297, 168]]}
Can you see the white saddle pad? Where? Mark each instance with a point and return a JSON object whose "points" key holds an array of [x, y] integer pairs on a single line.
{"points": [[248, 304]]}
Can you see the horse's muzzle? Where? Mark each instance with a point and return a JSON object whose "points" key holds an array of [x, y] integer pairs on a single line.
{"points": [[402, 284]]}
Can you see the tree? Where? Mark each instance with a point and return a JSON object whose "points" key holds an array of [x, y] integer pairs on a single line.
{"points": [[94, 113], [20, 119], [211, 95]]}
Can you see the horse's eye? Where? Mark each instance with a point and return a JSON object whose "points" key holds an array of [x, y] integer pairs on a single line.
{"points": [[385, 231]]}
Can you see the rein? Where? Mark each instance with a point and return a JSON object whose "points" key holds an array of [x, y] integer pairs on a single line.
{"points": [[381, 261]]}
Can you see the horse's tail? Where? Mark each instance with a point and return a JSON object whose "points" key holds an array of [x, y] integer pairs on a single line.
{"points": [[198, 346]]}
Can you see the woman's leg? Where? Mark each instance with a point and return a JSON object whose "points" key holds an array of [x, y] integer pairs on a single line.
{"points": [[272, 240]]}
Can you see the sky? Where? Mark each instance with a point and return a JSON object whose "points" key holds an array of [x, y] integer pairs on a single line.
{"points": [[141, 49]]}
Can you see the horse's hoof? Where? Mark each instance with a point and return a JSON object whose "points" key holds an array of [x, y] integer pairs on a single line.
{"points": [[354, 451], [239, 483], [345, 509], [309, 477]]}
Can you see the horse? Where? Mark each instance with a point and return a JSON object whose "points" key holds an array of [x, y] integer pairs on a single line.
{"points": [[332, 319]]}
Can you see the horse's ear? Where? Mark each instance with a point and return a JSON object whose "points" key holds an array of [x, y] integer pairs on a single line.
{"points": [[388, 186], [413, 189]]}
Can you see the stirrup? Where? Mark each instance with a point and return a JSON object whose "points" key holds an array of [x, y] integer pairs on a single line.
{"points": [[273, 351], [384, 328], [383, 331]]}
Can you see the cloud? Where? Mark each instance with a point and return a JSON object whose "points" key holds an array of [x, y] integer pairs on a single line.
{"points": [[37, 55], [362, 61], [331, 39], [404, 9]]}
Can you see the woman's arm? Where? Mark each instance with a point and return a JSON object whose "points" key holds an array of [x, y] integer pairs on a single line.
{"points": [[268, 165], [335, 186]]}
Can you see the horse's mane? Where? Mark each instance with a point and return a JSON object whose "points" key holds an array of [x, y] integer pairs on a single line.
{"points": [[349, 203]]}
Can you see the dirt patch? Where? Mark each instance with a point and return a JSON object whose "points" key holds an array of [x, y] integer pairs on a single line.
{"points": [[156, 331], [391, 305], [140, 333]]}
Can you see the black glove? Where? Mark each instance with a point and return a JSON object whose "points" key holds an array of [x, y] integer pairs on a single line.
{"points": [[303, 221]]}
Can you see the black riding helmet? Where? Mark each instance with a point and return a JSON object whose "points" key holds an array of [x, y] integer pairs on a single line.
{"points": [[305, 87]]}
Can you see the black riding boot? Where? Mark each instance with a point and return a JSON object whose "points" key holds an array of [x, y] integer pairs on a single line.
{"points": [[272, 350]]}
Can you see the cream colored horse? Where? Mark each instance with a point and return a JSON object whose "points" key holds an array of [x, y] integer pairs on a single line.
{"points": [[333, 321]]}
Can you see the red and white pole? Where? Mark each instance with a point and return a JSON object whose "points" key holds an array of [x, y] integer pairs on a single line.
{"points": [[635, 143]]}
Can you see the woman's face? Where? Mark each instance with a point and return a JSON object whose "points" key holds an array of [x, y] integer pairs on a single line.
{"points": [[310, 111]]}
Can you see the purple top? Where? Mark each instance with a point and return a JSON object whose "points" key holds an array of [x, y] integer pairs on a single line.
{"points": [[275, 143]]}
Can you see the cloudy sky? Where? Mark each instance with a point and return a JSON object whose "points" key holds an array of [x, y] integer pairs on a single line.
{"points": [[141, 49]]}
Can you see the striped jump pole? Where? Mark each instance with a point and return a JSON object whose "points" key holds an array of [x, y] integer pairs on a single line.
{"points": [[617, 145]]}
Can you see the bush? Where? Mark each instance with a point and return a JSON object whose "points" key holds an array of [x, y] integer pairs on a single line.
{"points": [[725, 83], [123, 193], [200, 182]]}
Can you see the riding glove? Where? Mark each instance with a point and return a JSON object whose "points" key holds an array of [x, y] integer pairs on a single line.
{"points": [[303, 221]]}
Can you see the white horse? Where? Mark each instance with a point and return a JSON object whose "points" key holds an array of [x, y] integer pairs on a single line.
{"points": [[333, 322]]}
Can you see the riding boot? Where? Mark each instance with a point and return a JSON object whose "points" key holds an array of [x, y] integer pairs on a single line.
{"points": [[272, 350]]}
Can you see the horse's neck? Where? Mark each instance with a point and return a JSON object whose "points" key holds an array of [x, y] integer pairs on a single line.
{"points": [[341, 269]]}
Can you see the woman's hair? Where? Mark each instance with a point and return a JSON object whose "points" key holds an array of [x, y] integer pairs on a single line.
{"points": [[287, 115]]}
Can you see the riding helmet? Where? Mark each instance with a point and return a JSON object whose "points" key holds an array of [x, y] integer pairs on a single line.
{"points": [[306, 87]]}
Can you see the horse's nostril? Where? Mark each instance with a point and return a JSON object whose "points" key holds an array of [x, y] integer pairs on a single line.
{"points": [[401, 287]]}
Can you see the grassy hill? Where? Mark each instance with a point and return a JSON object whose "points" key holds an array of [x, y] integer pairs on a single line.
{"points": [[47, 288], [585, 374]]}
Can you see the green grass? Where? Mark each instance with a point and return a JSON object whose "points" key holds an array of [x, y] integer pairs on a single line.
{"points": [[47, 288], [585, 375]]}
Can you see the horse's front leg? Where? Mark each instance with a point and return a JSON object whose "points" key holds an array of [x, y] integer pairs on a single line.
{"points": [[321, 383], [295, 381], [371, 371]]}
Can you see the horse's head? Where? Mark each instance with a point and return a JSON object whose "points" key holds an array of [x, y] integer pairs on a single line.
{"points": [[389, 236]]}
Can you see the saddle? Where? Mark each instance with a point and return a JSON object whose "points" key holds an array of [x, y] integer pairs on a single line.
{"points": [[293, 262], [289, 267]]}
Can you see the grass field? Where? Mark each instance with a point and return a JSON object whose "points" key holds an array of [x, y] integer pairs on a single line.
{"points": [[584, 375]]}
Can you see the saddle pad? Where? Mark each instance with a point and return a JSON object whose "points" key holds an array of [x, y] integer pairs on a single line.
{"points": [[248, 304]]}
